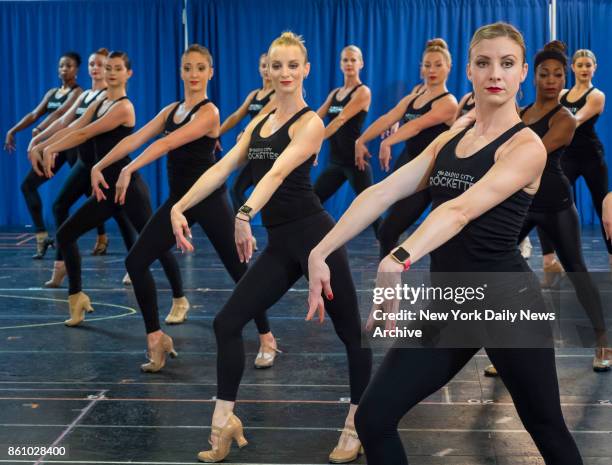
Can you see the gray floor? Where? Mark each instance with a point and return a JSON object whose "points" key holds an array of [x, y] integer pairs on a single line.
{"points": [[81, 388]]}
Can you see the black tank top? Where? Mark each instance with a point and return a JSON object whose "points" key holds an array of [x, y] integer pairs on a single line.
{"points": [[255, 106], [294, 198], [554, 193], [585, 136], [104, 142], [55, 102], [188, 162], [415, 145], [343, 140], [467, 106], [489, 242], [87, 150]]}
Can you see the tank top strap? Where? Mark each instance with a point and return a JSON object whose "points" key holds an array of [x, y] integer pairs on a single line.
{"points": [[196, 107], [505, 136], [268, 95], [437, 98], [110, 106], [297, 116], [170, 118], [353, 90], [586, 94], [522, 112]]}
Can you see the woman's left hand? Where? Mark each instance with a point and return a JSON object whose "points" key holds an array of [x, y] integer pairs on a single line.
{"points": [[122, 185], [48, 162], [318, 283], [244, 240]]}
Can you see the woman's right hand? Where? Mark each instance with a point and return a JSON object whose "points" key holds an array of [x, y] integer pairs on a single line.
{"points": [[36, 159], [97, 180], [181, 231], [9, 142], [361, 153], [389, 276]]}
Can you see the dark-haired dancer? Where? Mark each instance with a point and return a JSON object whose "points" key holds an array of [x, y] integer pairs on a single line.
{"points": [[585, 155], [347, 108], [280, 148], [106, 123], [259, 101], [471, 228], [54, 104], [552, 208], [191, 128], [77, 183], [425, 116]]}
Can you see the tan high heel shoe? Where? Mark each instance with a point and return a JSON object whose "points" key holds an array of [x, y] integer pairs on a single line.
{"points": [[339, 455], [490, 371], [552, 275], [78, 303], [58, 275], [178, 312], [101, 245], [266, 356], [231, 431], [43, 242], [157, 355], [601, 361]]}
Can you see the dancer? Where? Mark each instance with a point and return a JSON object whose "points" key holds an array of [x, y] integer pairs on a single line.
{"points": [[552, 208], [472, 228], [54, 104], [280, 148], [466, 104], [258, 101], [191, 127], [77, 183], [425, 116], [585, 155], [347, 108], [106, 123]]}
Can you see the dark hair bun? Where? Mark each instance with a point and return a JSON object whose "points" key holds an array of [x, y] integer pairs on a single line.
{"points": [[556, 45]]}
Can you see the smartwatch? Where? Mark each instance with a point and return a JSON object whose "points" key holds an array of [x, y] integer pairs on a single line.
{"points": [[401, 256], [246, 210]]}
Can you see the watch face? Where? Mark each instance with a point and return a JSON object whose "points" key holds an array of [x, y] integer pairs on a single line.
{"points": [[401, 254], [245, 209]]}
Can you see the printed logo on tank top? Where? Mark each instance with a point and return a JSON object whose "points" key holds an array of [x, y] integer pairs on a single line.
{"points": [[411, 116], [255, 107], [262, 153], [452, 180], [54, 105], [574, 110], [335, 109]]}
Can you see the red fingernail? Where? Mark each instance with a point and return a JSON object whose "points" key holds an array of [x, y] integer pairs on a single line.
{"points": [[330, 296]]}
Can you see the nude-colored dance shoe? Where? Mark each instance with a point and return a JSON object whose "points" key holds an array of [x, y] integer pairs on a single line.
{"points": [[178, 312], [157, 354], [43, 242], [58, 275], [266, 356], [552, 275], [341, 455], [101, 245], [601, 361], [232, 431], [78, 303]]}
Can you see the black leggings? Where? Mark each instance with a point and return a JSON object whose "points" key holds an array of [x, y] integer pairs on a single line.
{"points": [[594, 170], [407, 376], [31, 183], [400, 217], [243, 181], [215, 217], [138, 210], [77, 184], [280, 265], [337, 174], [563, 229]]}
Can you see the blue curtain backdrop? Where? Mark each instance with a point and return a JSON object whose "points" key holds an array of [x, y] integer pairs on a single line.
{"points": [[586, 24], [33, 34], [391, 34]]}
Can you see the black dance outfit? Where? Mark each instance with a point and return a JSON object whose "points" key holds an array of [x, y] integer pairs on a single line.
{"points": [[296, 223]]}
